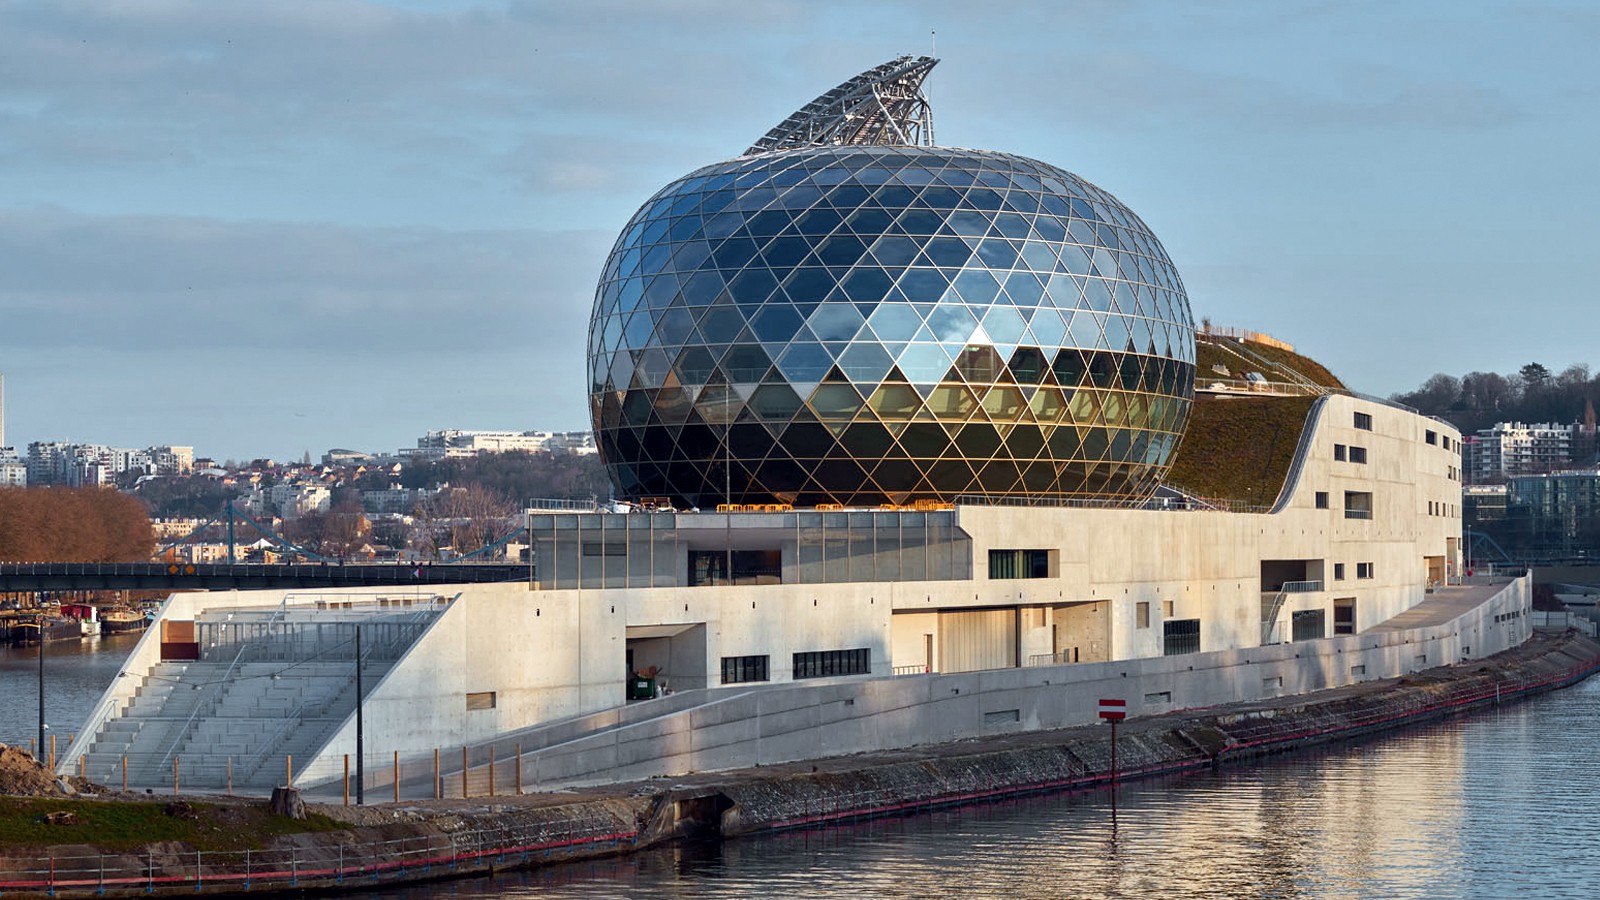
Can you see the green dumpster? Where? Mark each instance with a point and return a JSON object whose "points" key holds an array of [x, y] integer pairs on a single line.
{"points": [[641, 688]]}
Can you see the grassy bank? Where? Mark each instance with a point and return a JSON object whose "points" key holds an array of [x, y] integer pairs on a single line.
{"points": [[123, 825]]}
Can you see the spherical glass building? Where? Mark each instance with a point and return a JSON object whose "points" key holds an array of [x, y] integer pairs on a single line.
{"points": [[887, 323]]}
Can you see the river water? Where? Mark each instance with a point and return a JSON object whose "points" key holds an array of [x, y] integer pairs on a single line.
{"points": [[1495, 805]]}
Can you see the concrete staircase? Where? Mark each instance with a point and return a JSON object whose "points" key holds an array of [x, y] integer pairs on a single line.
{"points": [[270, 685]]}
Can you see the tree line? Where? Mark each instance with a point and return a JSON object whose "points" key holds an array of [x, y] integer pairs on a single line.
{"points": [[1532, 394], [59, 524]]}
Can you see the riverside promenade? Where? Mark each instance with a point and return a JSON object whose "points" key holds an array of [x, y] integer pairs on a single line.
{"points": [[416, 841]]}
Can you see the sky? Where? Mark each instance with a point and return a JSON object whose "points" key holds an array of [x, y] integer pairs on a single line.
{"points": [[271, 228]]}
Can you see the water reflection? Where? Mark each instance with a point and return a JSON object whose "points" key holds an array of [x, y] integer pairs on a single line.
{"points": [[76, 673]]}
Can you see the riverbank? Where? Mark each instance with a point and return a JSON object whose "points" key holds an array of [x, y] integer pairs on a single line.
{"points": [[434, 839]]}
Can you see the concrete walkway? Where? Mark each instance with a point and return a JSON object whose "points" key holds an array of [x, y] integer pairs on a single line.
{"points": [[1442, 606]]}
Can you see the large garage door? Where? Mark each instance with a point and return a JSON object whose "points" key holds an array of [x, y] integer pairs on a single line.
{"points": [[977, 639]]}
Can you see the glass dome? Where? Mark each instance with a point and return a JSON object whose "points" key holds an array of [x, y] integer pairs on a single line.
{"points": [[870, 325]]}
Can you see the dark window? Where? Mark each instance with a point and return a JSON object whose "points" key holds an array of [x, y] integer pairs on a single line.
{"points": [[1358, 454], [825, 663], [1322, 499], [1432, 437], [1338, 571], [1358, 504], [739, 669], [1363, 421], [1309, 625], [1181, 636], [1338, 452], [1364, 570], [749, 567], [1344, 615], [1019, 563]]}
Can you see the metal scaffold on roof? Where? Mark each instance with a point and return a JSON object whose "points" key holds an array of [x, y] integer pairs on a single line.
{"points": [[883, 105]]}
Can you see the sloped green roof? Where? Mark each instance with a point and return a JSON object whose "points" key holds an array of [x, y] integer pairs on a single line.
{"points": [[1239, 447]]}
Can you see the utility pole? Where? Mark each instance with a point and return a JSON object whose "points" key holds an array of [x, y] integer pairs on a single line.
{"points": [[41, 680], [361, 759]]}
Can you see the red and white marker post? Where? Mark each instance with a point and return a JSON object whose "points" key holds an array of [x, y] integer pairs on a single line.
{"points": [[1113, 711]]}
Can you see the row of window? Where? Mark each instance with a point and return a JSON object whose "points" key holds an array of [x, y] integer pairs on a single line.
{"points": [[1357, 504], [1363, 570], [1441, 440], [1507, 617], [1441, 508], [812, 664], [1352, 453]]}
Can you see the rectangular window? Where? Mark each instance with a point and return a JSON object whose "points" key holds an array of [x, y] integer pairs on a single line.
{"points": [[1141, 614], [740, 669], [1358, 455], [1363, 421], [1322, 499], [1338, 452], [827, 663], [1364, 570], [1167, 607], [1432, 437], [1019, 564], [1344, 615], [480, 700], [1309, 625], [1338, 571], [1358, 504], [1181, 636]]}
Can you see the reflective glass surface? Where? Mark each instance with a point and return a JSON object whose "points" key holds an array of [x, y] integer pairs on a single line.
{"points": [[880, 325]]}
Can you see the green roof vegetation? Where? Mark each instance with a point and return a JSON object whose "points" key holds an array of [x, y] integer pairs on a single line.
{"points": [[1239, 447]]}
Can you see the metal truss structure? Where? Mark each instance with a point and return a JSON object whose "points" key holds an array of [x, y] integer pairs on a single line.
{"points": [[883, 105]]}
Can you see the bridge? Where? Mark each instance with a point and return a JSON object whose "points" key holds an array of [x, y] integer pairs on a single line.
{"points": [[164, 576]]}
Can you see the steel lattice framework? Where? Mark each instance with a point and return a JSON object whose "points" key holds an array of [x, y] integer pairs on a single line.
{"points": [[883, 105]]}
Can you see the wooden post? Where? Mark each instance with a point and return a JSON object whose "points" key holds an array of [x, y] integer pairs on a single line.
{"points": [[288, 765], [175, 776], [124, 773], [397, 776], [491, 770], [519, 768], [83, 765], [347, 779], [438, 784], [52, 748], [463, 773]]}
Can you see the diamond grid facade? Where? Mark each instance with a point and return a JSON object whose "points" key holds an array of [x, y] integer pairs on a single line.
{"points": [[869, 325]]}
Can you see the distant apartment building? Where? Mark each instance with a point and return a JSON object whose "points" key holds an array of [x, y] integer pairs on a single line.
{"points": [[451, 444], [295, 499], [394, 501], [77, 465], [13, 471], [1510, 449]]}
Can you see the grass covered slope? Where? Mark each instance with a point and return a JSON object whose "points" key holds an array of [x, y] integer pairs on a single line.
{"points": [[1239, 447], [1241, 357]]}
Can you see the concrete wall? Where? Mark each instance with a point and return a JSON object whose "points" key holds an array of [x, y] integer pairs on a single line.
{"points": [[847, 716]]}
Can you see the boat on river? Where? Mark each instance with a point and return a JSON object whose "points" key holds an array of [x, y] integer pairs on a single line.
{"points": [[120, 619]]}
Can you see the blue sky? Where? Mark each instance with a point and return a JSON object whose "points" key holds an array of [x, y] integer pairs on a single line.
{"points": [[269, 228]]}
